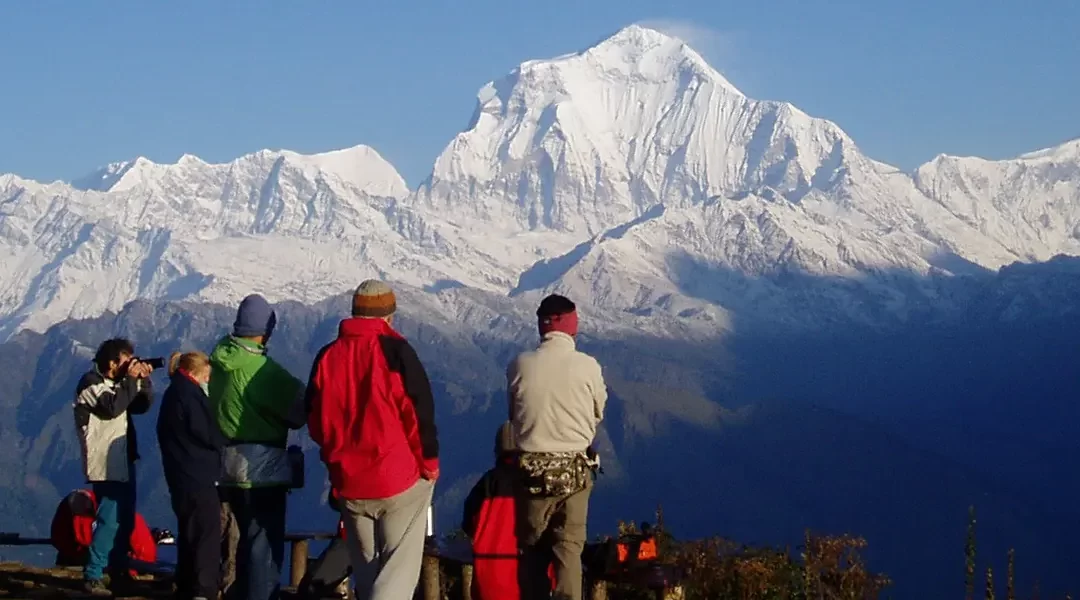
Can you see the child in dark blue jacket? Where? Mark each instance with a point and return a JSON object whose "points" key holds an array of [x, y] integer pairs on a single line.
{"points": [[191, 446]]}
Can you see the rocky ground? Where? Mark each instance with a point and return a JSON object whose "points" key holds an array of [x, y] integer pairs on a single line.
{"points": [[20, 581]]}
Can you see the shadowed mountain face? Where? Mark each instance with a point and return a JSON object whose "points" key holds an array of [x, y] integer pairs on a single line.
{"points": [[757, 435]]}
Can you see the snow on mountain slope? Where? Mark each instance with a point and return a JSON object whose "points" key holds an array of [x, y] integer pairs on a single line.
{"points": [[631, 174], [291, 226], [1030, 203], [360, 166], [640, 128]]}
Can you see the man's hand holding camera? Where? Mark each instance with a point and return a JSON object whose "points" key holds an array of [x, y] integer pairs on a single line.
{"points": [[138, 369]]}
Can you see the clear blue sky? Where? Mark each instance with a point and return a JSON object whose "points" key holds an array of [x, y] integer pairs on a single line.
{"points": [[95, 81]]}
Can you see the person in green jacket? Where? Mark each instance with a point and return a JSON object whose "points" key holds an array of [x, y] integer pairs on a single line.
{"points": [[256, 402]]}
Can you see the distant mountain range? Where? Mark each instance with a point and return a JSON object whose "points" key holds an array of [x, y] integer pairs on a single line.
{"points": [[796, 335], [614, 174]]}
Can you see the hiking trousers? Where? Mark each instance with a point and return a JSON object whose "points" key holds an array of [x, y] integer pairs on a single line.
{"points": [[553, 529], [260, 549], [113, 524], [230, 539], [386, 542], [198, 543]]}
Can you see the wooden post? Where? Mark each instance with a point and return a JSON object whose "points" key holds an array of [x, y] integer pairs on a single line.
{"points": [[466, 581], [429, 576], [599, 590], [299, 554]]}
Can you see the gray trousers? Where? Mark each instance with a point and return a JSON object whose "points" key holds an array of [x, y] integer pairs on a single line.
{"points": [[386, 542], [553, 529]]}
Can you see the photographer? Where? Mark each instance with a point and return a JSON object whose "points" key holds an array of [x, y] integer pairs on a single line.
{"points": [[118, 385]]}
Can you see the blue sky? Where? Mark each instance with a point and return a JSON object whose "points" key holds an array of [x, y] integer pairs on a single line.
{"points": [[91, 82]]}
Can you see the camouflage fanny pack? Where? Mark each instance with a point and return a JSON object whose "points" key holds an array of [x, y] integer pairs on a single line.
{"points": [[554, 473]]}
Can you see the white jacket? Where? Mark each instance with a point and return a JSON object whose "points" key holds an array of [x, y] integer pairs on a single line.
{"points": [[557, 396], [105, 432]]}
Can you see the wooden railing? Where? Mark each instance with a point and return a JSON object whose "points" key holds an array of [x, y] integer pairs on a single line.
{"points": [[437, 559], [457, 558]]}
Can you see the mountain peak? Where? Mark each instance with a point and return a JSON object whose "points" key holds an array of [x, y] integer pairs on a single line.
{"points": [[646, 52], [1069, 150], [359, 165], [585, 142], [105, 178], [639, 35]]}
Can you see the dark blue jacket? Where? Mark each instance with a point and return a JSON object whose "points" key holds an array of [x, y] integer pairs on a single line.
{"points": [[191, 442]]}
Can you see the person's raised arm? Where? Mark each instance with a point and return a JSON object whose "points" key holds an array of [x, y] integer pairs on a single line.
{"points": [[144, 397], [105, 401]]}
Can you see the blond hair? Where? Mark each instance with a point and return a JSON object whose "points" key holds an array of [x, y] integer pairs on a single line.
{"points": [[191, 362]]}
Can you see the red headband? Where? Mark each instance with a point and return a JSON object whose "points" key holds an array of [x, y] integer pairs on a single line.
{"points": [[565, 323]]}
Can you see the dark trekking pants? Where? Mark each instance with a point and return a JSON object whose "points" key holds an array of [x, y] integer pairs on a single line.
{"points": [[198, 541], [260, 551]]}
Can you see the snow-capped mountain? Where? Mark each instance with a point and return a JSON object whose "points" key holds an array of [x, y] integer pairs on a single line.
{"points": [[1031, 204], [668, 177], [631, 174], [293, 226]]}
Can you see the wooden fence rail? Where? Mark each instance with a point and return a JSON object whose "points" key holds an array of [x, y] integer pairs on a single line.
{"points": [[437, 558]]}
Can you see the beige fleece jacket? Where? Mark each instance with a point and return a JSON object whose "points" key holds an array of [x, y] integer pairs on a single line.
{"points": [[557, 396]]}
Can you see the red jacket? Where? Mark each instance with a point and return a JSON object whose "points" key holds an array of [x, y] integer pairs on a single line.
{"points": [[72, 531], [371, 411], [490, 521]]}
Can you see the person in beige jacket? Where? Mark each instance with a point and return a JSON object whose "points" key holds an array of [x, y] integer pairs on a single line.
{"points": [[557, 396]]}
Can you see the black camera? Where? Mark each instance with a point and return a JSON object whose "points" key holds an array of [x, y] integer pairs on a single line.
{"points": [[155, 363]]}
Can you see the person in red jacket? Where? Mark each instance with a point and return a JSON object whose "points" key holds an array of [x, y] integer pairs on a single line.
{"points": [[73, 529], [371, 411], [490, 521]]}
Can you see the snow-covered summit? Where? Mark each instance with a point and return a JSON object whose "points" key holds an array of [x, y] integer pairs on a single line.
{"points": [[293, 225], [584, 142], [646, 53], [1030, 203], [624, 153], [1069, 150], [103, 179], [630, 174], [360, 165]]}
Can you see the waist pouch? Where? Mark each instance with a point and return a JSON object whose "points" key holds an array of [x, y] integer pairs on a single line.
{"points": [[554, 473]]}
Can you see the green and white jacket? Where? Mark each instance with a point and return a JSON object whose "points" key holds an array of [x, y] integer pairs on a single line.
{"points": [[256, 402]]}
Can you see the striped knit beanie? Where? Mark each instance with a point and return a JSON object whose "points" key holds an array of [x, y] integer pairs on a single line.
{"points": [[373, 299]]}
